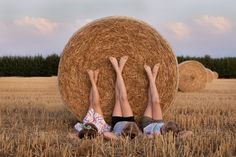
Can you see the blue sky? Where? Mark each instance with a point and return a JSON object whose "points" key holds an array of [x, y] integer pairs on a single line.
{"points": [[193, 28]]}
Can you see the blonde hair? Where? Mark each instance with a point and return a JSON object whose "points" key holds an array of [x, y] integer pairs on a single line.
{"points": [[131, 130]]}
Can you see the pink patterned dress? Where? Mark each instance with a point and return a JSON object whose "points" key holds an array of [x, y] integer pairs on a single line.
{"points": [[96, 119]]}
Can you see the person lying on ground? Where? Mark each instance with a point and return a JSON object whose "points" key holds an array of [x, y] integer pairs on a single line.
{"points": [[152, 121], [93, 123], [123, 123]]}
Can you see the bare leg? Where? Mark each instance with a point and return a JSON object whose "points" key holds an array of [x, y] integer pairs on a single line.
{"points": [[153, 96], [117, 108], [94, 97], [148, 111], [156, 107], [124, 104], [90, 73]]}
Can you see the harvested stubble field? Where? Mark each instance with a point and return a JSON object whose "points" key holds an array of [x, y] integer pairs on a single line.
{"points": [[34, 122]]}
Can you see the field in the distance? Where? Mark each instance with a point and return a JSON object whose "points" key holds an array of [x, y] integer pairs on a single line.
{"points": [[34, 122]]}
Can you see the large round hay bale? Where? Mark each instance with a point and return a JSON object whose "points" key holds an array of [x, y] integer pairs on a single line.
{"points": [[210, 75], [192, 76], [216, 75], [90, 47]]}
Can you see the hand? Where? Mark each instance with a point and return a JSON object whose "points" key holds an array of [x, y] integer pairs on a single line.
{"points": [[110, 136]]}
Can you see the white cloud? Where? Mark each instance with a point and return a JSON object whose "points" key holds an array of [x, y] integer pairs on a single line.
{"points": [[42, 25], [219, 24], [180, 30]]}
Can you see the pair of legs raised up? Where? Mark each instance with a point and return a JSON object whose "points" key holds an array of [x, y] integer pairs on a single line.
{"points": [[122, 107], [153, 109], [94, 98]]}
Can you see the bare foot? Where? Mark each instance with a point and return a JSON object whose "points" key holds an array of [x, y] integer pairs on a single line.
{"points": [[148, 71], [155, 70], [114, 63], [122, 62], [96, 72], [147, 68], [91, 74]]}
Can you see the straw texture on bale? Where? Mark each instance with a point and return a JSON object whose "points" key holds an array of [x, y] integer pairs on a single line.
{"points": [[216, 75], [210, 75], [192, 76], [90, 48]]}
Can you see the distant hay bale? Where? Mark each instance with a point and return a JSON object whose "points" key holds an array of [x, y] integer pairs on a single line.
{"points": [[216, 75], [210, 75], [192, 76], [90, 47]]}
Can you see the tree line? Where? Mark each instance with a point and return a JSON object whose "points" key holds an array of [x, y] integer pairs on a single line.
{"points": [[29, 65], [48, 66]]}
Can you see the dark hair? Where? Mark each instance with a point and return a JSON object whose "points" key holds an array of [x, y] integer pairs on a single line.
{"points": [[89, 130], [170, 126], [131, 130]]}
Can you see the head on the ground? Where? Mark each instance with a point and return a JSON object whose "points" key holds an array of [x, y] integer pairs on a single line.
{"points": [[131, 130], [89, 130], [170, 126]]}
